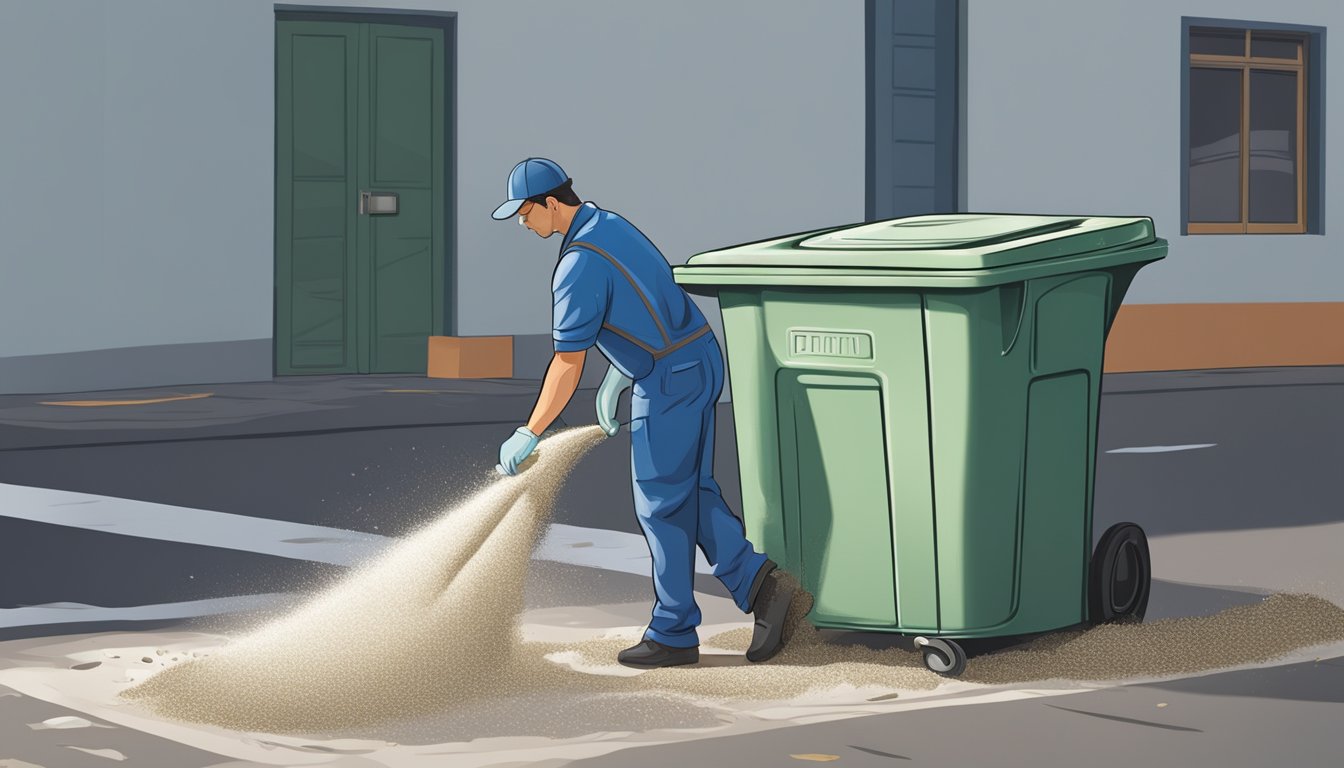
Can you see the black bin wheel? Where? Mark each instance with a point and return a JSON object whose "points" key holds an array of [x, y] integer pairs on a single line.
{"points": [[942, 656], [1121, 575]]}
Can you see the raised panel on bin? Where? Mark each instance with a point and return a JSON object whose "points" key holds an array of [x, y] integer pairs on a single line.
{"points": [[1056, 501], [1071, 325], [833, 452], [922, 233], [976, 248], [755, 422], [978, 399]]}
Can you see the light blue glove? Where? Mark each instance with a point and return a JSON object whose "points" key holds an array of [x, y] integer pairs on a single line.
{"points": [[608, 397], [514, 450]]}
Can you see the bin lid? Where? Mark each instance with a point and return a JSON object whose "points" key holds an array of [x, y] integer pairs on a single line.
{"points": [[964, 241]]}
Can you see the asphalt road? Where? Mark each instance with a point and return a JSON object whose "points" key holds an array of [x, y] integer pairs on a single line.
{"points": [[1176, 454], [1272, 449], [1243, 719], [1274, 461]]}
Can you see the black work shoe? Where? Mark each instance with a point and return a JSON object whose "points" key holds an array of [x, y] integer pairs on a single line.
{"points": [[771, 596], [651, 653]]}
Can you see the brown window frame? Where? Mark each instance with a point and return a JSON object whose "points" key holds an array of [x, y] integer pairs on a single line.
{"points": [[1245, 63]]}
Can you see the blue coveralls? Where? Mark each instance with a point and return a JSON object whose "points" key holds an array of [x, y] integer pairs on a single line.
{"points": [[613, 288]]}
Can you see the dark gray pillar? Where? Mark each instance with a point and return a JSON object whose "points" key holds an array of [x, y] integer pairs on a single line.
{"points": [[912, 107]]}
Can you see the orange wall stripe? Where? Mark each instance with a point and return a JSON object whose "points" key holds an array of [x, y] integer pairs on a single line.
{"points": [[1175, 337]]}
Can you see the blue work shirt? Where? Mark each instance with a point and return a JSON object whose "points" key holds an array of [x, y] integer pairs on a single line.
{"points": [[613, 288]]}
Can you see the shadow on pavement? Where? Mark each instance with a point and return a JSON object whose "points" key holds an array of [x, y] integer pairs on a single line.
{"points": [[1321, 681]]}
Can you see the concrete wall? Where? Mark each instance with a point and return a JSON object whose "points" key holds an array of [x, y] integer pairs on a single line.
{"points": [[137, 208], [1076, 108]]}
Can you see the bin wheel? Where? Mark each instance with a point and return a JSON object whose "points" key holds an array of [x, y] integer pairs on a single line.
{"points": [[942, 656], [1121, 575]]}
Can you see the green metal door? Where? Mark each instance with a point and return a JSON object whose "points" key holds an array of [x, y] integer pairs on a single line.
{"points": [[359, 196]]}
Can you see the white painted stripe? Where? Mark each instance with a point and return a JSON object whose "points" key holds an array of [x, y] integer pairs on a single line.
{"points": [[184, 525], [1162, 448], [69, 613], [571, 544]]}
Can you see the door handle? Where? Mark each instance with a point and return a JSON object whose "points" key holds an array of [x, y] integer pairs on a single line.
{"points": [[378, 203]]}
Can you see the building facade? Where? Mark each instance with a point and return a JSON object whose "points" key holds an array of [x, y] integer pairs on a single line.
{"points": [[185, 178]]}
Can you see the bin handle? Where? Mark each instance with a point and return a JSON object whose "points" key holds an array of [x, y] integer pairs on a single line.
{"points": [[1012, 302]]}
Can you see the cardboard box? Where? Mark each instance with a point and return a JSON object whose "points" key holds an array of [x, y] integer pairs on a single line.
{"points": [[470, 357]]}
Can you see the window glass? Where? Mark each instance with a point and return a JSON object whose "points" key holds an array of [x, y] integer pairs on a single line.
{"points": [[1217, 42], [1273, 146], [1274, 47], [1215, 144]]}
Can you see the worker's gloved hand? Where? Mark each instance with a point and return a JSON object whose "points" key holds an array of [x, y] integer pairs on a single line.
{"points": [[608, 397], [518, 447]]}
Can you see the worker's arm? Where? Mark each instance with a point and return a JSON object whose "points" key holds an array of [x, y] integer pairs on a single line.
{"points": [[562, 378]]}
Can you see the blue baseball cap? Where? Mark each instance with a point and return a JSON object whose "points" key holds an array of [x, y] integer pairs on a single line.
{"points": [[529, 178]]}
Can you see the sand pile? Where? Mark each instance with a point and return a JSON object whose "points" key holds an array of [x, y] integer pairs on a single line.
{"points": [[816, 661], [430, 623], [1246, 634]]}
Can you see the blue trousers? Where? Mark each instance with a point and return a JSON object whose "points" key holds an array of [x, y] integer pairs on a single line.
{"points": [[679, 504]]}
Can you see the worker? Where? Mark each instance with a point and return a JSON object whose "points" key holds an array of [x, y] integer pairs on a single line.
{"points": [[612, 288]]}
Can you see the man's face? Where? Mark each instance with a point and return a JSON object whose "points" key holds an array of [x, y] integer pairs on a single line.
{"points": [[538, 218]]}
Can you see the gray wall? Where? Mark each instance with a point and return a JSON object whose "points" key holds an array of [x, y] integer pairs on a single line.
{"points": [[706, 123], [138, 156], [136, 208], [136, 202], [1075, 108]]}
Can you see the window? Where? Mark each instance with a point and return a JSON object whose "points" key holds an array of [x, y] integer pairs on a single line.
{"points": [[1246, 131]]}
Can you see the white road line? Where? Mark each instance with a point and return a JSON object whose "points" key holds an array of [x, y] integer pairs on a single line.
{"points": [[183, 525], [571, 544], [1162, 448], [70, 613]]}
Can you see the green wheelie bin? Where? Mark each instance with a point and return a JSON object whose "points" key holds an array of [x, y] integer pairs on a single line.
{"points": [[916, 405]]}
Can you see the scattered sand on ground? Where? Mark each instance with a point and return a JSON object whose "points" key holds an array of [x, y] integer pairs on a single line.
{"points": [[814, 660], [431, 627], [1246, 634], [808, 662]]}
